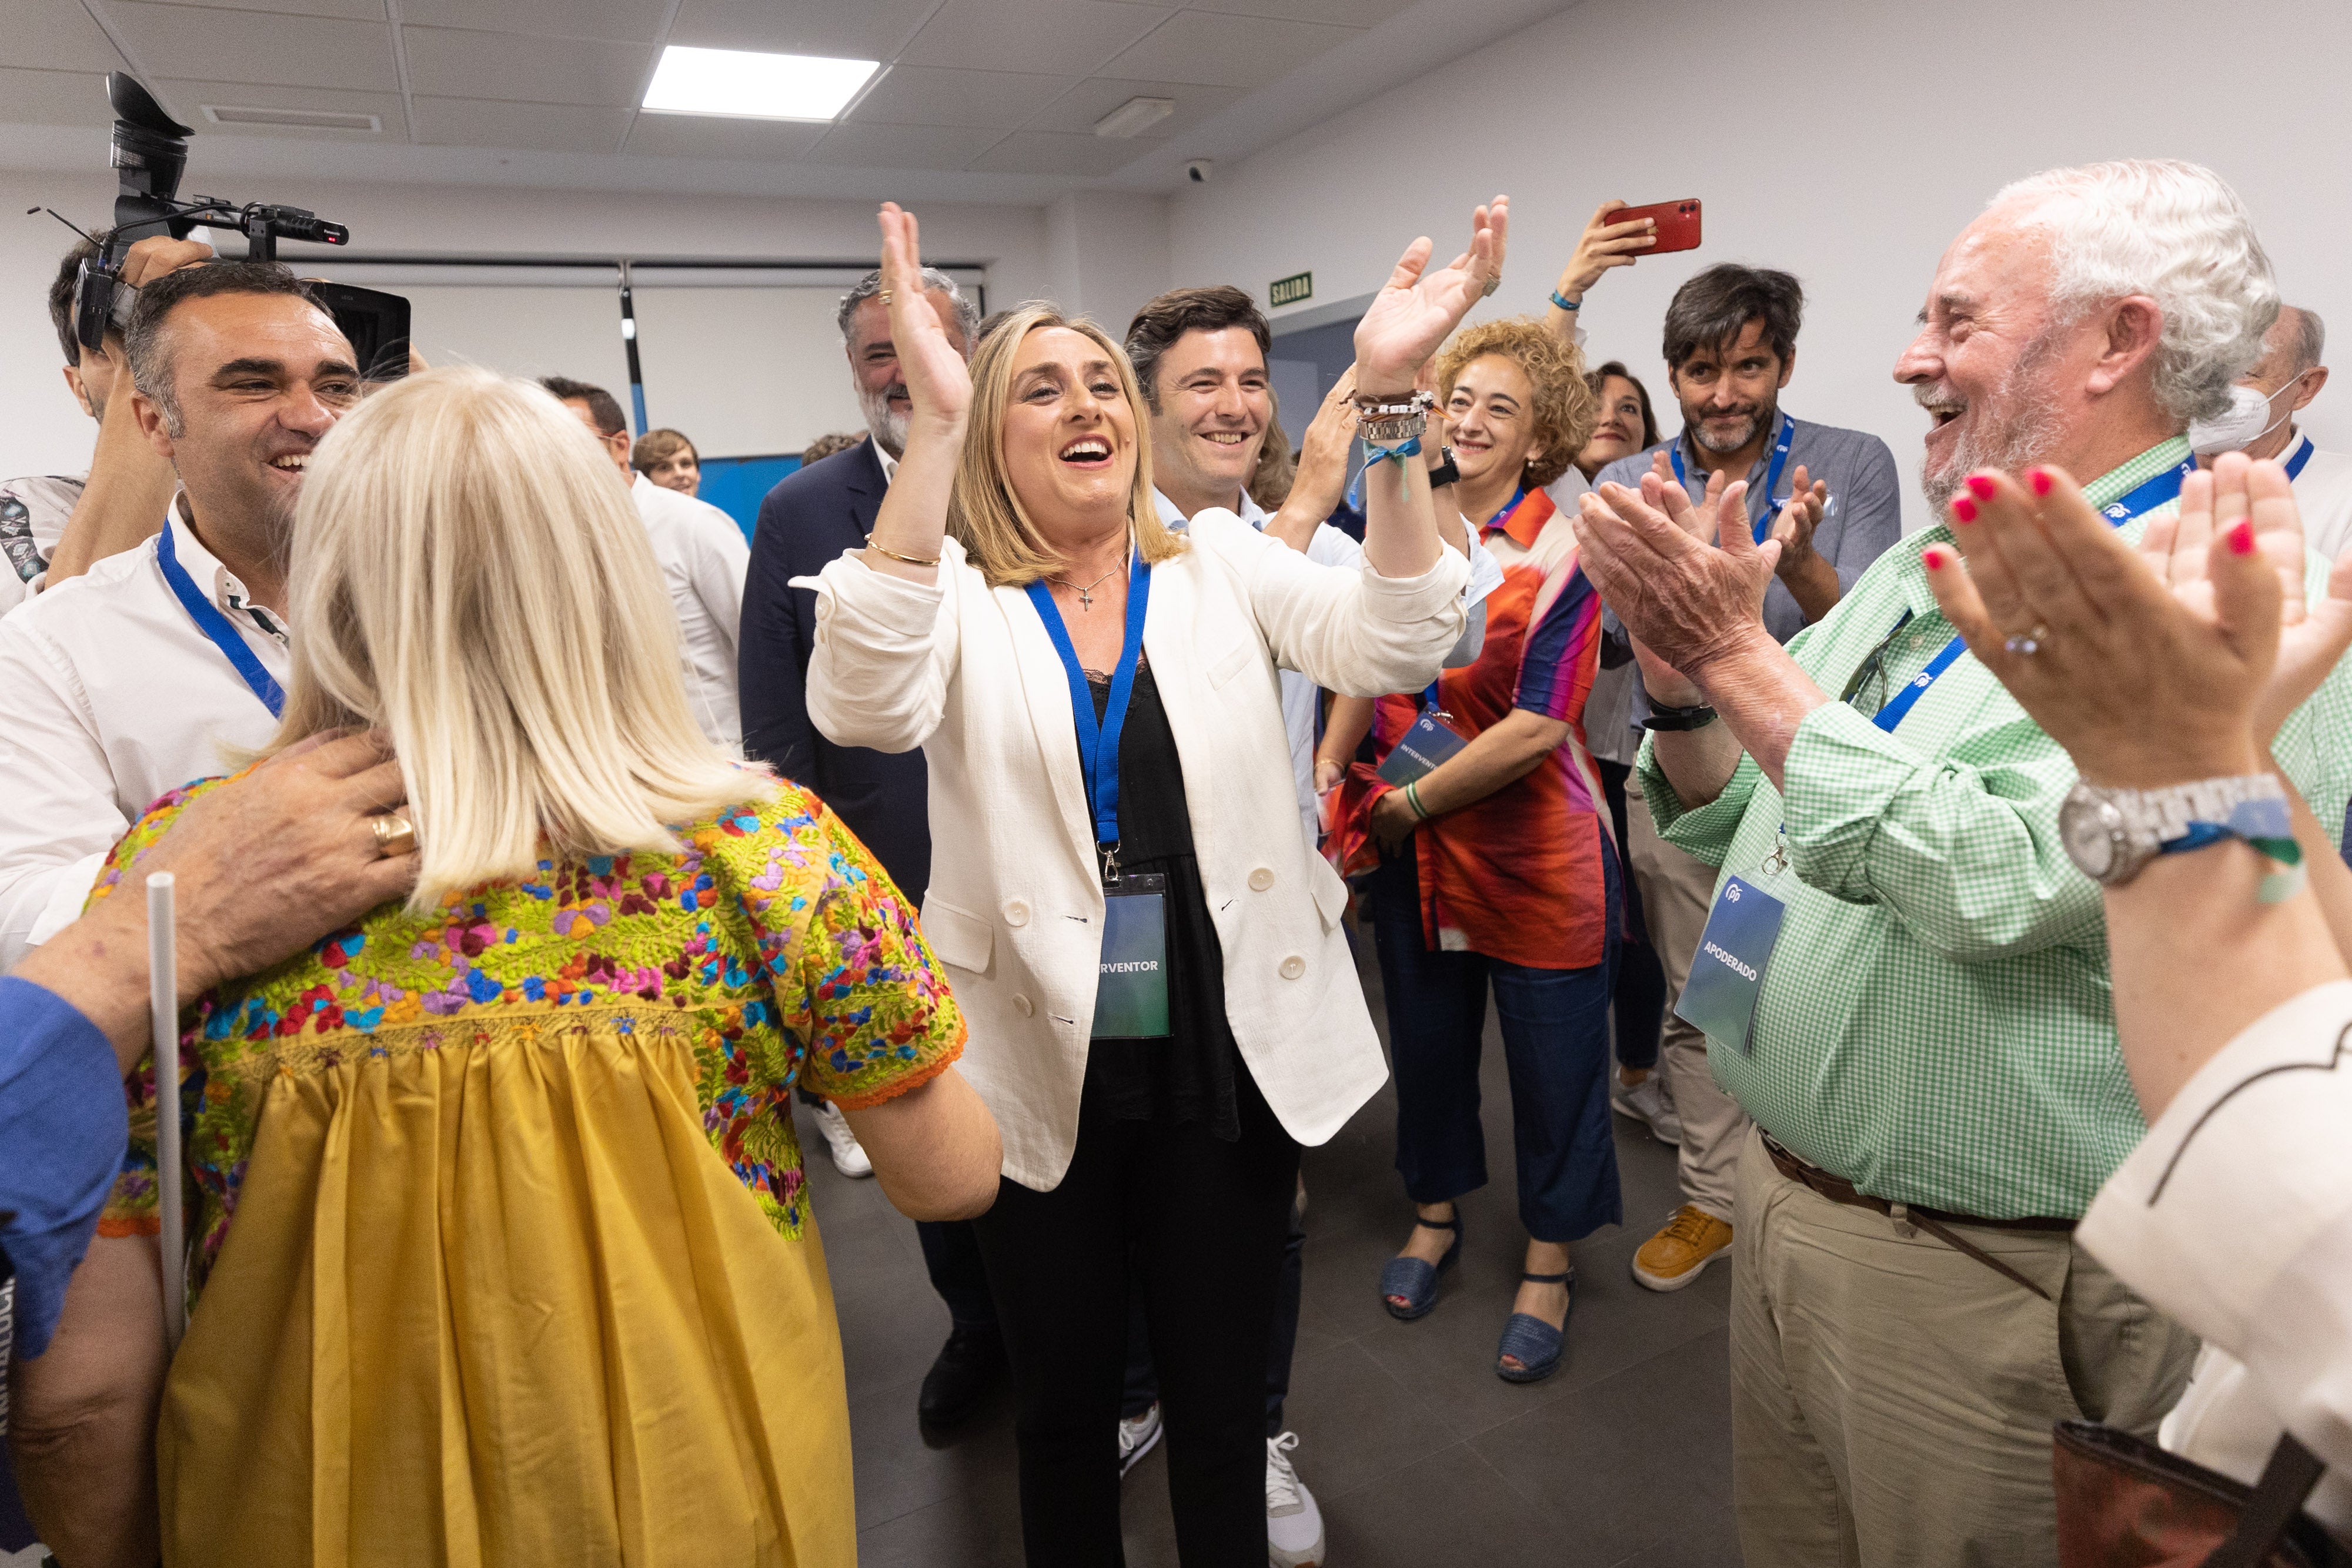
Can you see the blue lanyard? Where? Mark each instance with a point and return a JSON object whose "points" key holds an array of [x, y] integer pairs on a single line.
{"points": [[2155, 492], [1762, 525], [215, 625], [2301, 455], [1098, 740]]}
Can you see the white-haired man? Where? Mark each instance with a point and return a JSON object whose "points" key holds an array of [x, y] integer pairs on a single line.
{"points": [[1928, 1047], [2261, 424]]}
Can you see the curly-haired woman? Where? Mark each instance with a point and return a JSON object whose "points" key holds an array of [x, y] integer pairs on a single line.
{"points": [[1498, 867]]}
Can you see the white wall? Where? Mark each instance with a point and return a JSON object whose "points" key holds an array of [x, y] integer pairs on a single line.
{"points": [[42, 431], [1106, 253], [1846, 140]]}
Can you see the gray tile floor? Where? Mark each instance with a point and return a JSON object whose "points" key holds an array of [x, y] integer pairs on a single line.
{"points": [[1417, 1452]]}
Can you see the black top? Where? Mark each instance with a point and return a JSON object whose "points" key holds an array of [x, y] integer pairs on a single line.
{"points": [[1189, 1076], [805, 524]]}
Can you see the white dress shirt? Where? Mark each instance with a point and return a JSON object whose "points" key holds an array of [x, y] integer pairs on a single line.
{"points": [[703, 559], [2323, 494], [1016, 906], [114, 697], [2235, 1216], [1330, 546]]}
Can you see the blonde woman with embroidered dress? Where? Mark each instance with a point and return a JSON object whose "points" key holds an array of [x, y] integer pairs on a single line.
{"points": [[1097, 703], [502, 1252]]}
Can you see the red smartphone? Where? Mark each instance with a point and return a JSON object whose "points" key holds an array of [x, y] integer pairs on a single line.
{"points": [[1677, 223]]}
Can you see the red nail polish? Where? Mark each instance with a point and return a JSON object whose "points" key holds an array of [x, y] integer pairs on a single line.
{"points": [[1983, 487], [2241, 539], [1932, 558], [1964, 509], [2041, 481]]}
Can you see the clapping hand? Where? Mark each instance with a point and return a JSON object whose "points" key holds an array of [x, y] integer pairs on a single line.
{"points": [[2312, 637], [2145, 682], [1416, 309], [1687, 603], [1800, 514], [938, 380]]}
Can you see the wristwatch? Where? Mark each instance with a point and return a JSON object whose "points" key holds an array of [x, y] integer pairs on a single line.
{"points": [[2112, 835], [1446, 473], [1664, 715]]}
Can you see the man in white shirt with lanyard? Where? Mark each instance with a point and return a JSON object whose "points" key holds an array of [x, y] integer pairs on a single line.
{"points": [[703, 558], [2261, 424], [162, 664]]}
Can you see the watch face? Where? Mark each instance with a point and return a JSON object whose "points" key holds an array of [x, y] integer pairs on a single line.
{"points": [[2090, 830]]}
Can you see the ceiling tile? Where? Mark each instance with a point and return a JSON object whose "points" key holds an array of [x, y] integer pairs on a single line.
{"points": [[446, 63], [900, 146], [625, 21], [841, 29], [1345, 12], [1227, 51], [186, 100], [717, 136], [1077, 110], [1046, 153], [541, 127], [55, 36], [202, 43], [919, 95], [53, 98], [350, 10], [1070, 38]]}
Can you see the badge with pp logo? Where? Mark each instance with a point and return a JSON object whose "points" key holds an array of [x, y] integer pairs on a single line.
{"points": [[1727, 973]]}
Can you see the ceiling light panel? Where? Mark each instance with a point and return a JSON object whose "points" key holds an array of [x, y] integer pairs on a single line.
{"points": [[744, 85], [1135, 117]]}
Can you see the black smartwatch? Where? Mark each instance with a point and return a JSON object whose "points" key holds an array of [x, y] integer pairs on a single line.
{"points": [[1446, 473], [1665, 717]]}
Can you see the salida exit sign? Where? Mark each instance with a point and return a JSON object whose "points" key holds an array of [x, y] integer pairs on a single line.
{"points": [[1290, 290]]}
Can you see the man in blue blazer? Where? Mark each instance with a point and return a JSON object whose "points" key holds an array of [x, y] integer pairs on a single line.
{"points": [[807, 520]]}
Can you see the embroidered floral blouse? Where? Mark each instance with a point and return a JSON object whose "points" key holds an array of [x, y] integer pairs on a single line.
{"points": [[776, 941]]}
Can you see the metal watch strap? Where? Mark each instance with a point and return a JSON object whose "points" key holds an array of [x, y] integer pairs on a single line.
{"points": [[2156, 816]]}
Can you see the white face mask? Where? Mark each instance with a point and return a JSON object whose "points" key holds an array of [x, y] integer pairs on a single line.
{"points": [[2247, 422]]}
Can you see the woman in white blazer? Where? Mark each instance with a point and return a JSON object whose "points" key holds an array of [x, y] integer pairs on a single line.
{"points": [[1162, 1005]]}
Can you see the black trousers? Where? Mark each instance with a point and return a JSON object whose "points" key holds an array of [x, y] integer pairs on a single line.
{"points": [[1204, 1223]]}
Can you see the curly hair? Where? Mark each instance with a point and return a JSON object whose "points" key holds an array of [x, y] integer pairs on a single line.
{"points": [[1564, 404]]}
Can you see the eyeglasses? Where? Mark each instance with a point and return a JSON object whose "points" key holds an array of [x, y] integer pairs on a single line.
{"points": [[1868, 684]]}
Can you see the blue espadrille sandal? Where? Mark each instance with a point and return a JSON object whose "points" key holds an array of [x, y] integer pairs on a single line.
{"points": [[1415, 1281], [1534, 1344]]}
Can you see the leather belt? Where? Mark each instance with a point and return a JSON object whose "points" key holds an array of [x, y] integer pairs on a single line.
{"points": [[1936, 1222]]}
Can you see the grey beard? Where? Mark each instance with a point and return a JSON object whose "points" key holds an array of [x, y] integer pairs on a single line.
{"points": [[889, 429], [1698, 434], [2016, 427]]}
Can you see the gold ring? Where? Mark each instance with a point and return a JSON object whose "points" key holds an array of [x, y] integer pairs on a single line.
{"points": [[395, 834], [885, 297]]}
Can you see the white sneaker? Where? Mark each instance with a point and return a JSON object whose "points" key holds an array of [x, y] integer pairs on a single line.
{"points": [[1646, 1102], [848, 1156], [1294, 1525], [1137, 1434]]}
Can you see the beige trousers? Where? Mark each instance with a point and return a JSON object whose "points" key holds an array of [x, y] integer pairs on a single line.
{"points": [[1676, 890], [1892, 1397]]}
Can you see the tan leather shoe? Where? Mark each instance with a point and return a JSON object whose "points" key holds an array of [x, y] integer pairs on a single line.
{"points": [[1675, 1256]]}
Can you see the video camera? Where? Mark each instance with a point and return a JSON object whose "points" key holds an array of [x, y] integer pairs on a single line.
{"points": [[151, 149]]}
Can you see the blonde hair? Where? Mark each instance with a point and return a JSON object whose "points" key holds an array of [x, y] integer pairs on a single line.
{"points": [[468, 575], [1565, 408], [983, 513]]}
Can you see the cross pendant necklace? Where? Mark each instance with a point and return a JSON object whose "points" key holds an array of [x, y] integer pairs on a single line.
{"points": [[1087, 594]]}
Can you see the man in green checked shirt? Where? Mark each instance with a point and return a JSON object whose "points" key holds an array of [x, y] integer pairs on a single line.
{"points": [[1932, 1061]]}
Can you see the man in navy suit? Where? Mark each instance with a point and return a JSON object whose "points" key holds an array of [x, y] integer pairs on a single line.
{"points": [[807, 520]]}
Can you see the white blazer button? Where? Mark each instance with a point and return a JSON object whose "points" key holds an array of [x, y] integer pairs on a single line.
{"points": [[1016, 913], [1023, 1005], [1293, 966], [1261, 879]]}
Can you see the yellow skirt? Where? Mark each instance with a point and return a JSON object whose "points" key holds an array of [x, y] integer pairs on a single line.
{"points": [[490, 1298]]}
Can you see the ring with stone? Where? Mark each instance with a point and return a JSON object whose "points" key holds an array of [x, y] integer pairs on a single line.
{"points": [[2029, 643], [395, 834]]}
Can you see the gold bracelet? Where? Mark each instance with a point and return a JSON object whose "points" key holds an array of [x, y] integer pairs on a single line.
{"points": [[894, 555]]}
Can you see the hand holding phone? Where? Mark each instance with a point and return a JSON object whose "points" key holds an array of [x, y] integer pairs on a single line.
{"points": [[1677, 223]]}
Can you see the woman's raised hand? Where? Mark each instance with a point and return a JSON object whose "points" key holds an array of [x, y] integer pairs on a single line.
{"points": [[1416, 309], [2145, 682], [938, 380]]}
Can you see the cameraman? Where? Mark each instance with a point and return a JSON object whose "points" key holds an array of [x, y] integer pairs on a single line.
{"points": [[53, 526], [160, 662]]}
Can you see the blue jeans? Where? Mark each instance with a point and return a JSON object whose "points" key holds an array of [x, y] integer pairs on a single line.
{"points": [[1555, 1044]]}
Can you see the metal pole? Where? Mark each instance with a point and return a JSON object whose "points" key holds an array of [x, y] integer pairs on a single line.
{"points": [[629, 342], [164, 1000]]}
